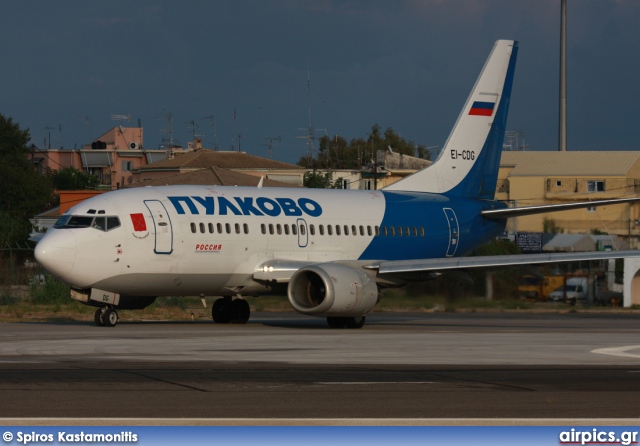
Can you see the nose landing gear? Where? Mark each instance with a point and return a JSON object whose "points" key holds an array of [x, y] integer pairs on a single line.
{"points": [[106, 317]]}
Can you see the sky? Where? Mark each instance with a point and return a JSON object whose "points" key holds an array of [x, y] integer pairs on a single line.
{"points": [[404, 64]]}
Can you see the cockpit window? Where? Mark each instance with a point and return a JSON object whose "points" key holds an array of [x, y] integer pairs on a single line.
{"points": [[82, 221], [112, 223]]}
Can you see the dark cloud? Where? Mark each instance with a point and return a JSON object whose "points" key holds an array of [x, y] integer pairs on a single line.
{"points": [[403, 64]]}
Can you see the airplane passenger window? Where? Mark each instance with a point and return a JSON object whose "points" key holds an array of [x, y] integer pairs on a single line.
{"points": [[399, 231], [384, 231], [237, 228], [219, 228], [294, 229], [279, 229], [271, 228], [362, 230], [337, 229], [302, 230], [406, 231], [421, 231], [202, 228], [329, 230], [312, 230], [286, 229], [227, 226], [246, 228], [112, 223], [210, 228], [353, 230], [193, 228], [263, 228], [99, 223], [346, 230], [377, 230], [415, 231], [321, 228], [392, 231]]}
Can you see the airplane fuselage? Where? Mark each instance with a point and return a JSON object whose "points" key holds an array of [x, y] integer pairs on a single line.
{"points": [[200, 240]]}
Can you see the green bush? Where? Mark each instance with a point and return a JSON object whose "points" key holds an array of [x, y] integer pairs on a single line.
{"points": [[51, 292]]}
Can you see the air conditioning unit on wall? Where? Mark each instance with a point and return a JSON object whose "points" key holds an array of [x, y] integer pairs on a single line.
{"points": [[134, 146]]}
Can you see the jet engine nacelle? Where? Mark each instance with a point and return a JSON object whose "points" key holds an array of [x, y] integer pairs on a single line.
{"points": [[331, 289]]}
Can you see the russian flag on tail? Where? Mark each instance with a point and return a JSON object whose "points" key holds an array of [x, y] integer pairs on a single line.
{"points": [[480, 108]]}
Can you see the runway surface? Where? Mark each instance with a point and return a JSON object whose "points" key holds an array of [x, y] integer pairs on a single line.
{"points": [[287, 366]]}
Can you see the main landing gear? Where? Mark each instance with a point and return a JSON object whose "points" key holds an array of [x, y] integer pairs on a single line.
{"points": [[106, 317], [226, 310], [346, 322]]}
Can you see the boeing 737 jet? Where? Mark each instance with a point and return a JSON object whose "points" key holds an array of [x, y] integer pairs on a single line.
{"points": [[329, 251]]}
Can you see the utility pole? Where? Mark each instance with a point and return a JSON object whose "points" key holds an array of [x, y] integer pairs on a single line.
{"points": [[562, 131]]}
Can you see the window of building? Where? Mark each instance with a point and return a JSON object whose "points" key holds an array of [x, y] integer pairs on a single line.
{"points": [[345, 184], [595, 186], [558, 183], [591, 209]]}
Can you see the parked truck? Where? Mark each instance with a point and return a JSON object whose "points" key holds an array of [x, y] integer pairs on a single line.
{"points": [[574, 291], [538, 288]]}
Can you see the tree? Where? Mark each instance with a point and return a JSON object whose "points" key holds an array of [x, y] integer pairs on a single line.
{"points": [[317, 180], [24, 192], [70, 178], [335, 153]]}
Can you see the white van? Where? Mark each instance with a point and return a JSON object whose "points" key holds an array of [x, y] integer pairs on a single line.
{"points": [[576, 289]]}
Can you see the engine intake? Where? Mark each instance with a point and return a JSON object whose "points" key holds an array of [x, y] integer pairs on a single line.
{"points": [[331, 289]]}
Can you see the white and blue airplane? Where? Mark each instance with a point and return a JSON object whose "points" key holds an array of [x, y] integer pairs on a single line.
{"points": [[330, 251]]}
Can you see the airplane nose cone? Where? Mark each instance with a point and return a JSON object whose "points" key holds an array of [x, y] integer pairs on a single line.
{"points": [[57, 251]]}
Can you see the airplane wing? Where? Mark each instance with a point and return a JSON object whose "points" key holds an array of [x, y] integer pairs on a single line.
{"points": [[497, 214], [487, 262]]}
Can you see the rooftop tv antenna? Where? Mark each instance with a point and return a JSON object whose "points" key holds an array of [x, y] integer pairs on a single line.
{"points": [[270, 141], [310, 130], [48, 129], [87, 124], [194, 129], [215, 132], [169, 142]]}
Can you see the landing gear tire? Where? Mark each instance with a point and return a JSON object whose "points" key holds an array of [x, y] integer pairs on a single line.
{"points": [[220, 311], [346, 322], [336, 322], [240, 311], [110, 317], [97, 317], [355, 322]]}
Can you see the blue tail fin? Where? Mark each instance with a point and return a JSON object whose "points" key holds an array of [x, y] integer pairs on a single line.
{"points": [[468, 164]]}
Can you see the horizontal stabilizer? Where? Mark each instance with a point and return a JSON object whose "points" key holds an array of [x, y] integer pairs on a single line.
{"points": [[498, 214]]}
